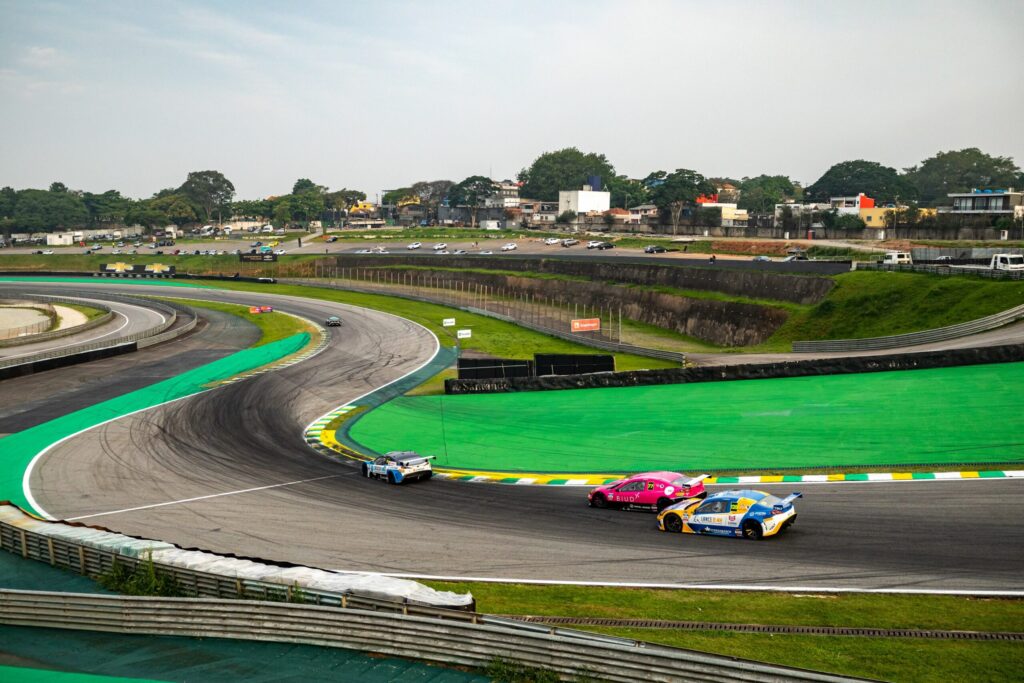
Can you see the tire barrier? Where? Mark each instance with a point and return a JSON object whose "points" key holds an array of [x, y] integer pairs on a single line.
{"points": [[896, 341], [462, 643], [1010, 353]]}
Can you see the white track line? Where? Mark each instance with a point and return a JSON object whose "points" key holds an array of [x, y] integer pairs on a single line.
{"points": [[191, 500], [698, 586]]}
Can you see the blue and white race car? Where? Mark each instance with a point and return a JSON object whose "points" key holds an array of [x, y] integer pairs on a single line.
{"points": [[746, 513], [399, 466]]}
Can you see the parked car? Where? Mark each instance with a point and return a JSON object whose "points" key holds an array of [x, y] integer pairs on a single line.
{"points": [[570, 242], [761, 258], [48, 252], [280, 252], [364, 251], [510, 246], [439, 246], [592, 244], [944, 258], [605, 245], [332, 238], [398, 467], [459, 252], [648, 491], [415, 245], [486, 252], [552, 241], [745, 513], [442, 252], [654, 249]]}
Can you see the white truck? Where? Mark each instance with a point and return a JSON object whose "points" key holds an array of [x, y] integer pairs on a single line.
{"points": [[897, 258], [1007, 262]]}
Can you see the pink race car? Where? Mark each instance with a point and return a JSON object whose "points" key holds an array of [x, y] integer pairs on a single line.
{"points": [[648, 491]]}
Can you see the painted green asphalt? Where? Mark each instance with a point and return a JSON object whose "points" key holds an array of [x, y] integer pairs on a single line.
{"points": [[966, 414], [17, 450], [105, 281], [25, 675], [171, 658]]}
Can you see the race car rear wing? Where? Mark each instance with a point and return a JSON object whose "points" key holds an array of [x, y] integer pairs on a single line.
{"points": [[788, 500], [696, 480]]}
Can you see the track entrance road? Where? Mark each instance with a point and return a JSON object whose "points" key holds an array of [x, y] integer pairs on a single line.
{"points": [[927, 535]]}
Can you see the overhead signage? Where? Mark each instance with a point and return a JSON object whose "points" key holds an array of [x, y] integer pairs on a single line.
{"points": [[448, 322], [586, 325], [464, 334]]}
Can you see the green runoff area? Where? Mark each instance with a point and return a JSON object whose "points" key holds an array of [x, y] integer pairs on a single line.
{"points": [[891, 659], [273, 325], [968, 414]]}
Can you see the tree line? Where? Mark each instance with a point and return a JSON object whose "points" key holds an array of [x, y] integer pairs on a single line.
{"points": [[208, 196]]}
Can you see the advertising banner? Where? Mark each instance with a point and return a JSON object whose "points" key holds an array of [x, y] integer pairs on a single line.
{"points": [[586, 325], [464, 334], [149, 269], [448, 322], [256, 258]]}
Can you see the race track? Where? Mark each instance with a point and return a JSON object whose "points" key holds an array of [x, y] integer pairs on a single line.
{"points": [[219, 445]]}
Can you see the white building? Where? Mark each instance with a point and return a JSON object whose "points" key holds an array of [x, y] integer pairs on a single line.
{"points": [[584, 201], [852, 205], [732, 217], [506, 196], [64, 239]]}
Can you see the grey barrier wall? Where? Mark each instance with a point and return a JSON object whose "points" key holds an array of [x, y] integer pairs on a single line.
{"points": [[896, 341], [568, 653], [57, 334], [454, 301], [42, 365], [741, 278], [801, 368], [13, 336], [947, 270]]}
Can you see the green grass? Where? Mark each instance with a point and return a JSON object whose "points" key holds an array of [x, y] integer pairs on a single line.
{"points": [[896, 659], [875, 304], [88, 311], [273, 326], [958, 415], [863, 610], [490, 336], [908, 660]]}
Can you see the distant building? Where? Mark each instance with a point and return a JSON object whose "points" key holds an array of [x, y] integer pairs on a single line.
{"points": [[641, 213], [732, 217], [798, 211], [536, 212], [506, 195], [851, 205], [585, 201], [996, 203]]}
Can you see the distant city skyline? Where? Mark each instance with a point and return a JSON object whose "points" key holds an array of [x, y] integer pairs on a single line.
{"points": [[377, 95]]}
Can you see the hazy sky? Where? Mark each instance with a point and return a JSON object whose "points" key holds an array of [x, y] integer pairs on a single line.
{"points": [[376, 95]]}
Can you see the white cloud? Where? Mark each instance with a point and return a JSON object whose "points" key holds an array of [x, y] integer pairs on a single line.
{"points": [[42, 57]]}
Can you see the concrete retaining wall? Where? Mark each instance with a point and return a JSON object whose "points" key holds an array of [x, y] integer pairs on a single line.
{"points": [[803, 368]]}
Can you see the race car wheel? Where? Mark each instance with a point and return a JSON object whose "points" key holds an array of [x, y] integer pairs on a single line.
{"points": [[663, 503], [391, 478], [673, 524], [599, 501], [428, 475], [752, 530], [365, 470]]}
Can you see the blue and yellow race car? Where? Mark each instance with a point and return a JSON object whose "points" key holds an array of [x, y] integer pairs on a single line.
{"points": [[746, 513]]}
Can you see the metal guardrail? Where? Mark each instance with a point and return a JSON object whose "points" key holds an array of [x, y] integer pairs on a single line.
{"points": [[145, 338], [446, 301], [395, 635], [57, 334], [914, 338], [987, 273]]}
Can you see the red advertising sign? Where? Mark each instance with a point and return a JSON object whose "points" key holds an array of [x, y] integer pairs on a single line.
{"points": [[586, 325]]}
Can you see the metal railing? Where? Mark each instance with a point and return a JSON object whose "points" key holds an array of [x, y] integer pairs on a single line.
{"points": [[153, 335], [914, 338], [987, 273], [393, 635], [452, 302]]}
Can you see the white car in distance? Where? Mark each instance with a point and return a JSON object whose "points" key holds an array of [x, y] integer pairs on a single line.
{"points": [[414, 245], [552, 241], [439, 246], [509, 246]]}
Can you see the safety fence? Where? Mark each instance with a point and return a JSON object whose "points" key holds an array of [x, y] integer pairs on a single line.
{"points": [[57, 334], [482, 302], [23, 334], [153, 335], [914, 338], [568, 653]]}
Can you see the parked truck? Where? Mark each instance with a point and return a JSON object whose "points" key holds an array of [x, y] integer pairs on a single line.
{"points": [[1007, 262]]}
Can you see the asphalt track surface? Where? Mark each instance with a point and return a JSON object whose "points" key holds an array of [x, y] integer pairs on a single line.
{"points": [[128, 319], [215, 447]]}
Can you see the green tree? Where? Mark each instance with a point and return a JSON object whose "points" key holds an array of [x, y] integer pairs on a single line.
{"points": [[142, 212], [565, 169], [251, 208], [849, 178], [393, 196], [106, 208], [342, 199], [432, 192], [44, 210], [471, 193], [849, 221], [209, 192], [673, 192], [177, 208], [961, 171], [306, 185], [8, 197], [566, 217], [58, 187], [626, 192], [760, 194]]}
